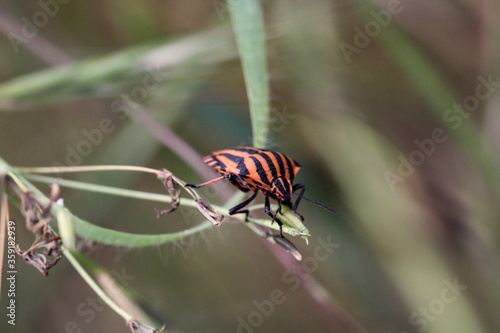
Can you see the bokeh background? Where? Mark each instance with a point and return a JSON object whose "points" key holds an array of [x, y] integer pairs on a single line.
{"points": [[389, 106]]}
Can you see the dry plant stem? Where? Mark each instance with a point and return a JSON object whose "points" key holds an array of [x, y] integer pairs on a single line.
{"points": [[90, 168], [85, 168], [4, 217], [116, 191], [165, 176]]}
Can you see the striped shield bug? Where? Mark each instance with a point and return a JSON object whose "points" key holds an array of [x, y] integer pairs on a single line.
{"points": [[252, 169]]}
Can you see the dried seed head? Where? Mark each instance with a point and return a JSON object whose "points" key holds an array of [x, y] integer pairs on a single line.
{"points": [[39, 260], [29, 210], [209, 212], [173, 189], [50, 243], [46, 243]]}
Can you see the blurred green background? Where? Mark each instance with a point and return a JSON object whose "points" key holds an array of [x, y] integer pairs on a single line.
{"points": [[389, 106]]}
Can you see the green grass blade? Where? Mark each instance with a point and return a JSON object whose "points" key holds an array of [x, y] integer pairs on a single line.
{"points": [[73, 79], [102, 76], [248, 26]]}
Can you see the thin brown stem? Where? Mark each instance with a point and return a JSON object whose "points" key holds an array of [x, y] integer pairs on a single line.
{"points": [[85, 168]]}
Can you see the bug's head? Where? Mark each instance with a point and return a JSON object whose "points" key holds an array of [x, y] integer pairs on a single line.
{"points": [[281, 188]]}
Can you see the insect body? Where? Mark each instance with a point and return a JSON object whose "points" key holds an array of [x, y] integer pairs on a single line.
{"points": [[252, 169]]}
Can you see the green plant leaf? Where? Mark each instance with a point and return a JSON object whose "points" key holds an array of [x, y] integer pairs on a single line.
{"points": [[248, 26], [106, 236]]}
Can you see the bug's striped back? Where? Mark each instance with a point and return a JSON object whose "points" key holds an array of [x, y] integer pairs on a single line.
{"points": [[257, 167], [226, 161]]}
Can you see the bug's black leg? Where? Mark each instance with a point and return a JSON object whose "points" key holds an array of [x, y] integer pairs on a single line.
{"points": [[208, 182], [302, 189], [267, 209], [236, 209]]}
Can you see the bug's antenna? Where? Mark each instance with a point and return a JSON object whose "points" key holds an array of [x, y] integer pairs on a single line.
{"points": [[320, 204]]}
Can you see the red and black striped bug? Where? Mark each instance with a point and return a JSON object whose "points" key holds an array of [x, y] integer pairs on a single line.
{"points": [[253, 169]]}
